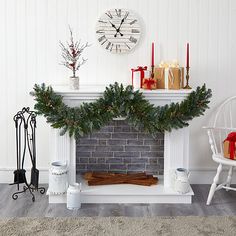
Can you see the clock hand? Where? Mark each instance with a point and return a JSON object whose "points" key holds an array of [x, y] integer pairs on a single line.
{"points": [[118, 30], [113, 25], [122, 21]]}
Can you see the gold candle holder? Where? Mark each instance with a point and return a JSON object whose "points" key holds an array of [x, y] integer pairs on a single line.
{"points": [[152, 72], [187, 79]]}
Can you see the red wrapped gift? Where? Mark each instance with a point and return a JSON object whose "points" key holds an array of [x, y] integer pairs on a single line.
{"points": [[229, 146], [141, 70], [149, 84]]}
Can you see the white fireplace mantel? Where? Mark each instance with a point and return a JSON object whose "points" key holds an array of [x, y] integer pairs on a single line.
{"points": [[176, 154]]}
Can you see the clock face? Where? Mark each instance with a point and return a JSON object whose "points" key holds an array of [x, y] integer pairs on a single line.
{"points": [[118, 30]]}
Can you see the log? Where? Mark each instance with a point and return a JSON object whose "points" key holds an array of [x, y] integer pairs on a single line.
{"points": [[104, 175], [142, 182], [101, 178], [147, 182], [115, 180]]}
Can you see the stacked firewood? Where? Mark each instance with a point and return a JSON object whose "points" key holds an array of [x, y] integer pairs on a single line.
{"points": [[102, 178]]}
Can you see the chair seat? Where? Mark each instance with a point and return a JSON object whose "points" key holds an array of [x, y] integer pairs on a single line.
{"points": [[225, 161]]}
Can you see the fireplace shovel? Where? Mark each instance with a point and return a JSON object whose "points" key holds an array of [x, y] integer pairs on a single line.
{"points": [[34, 172], [34, 177], [32, 150]]}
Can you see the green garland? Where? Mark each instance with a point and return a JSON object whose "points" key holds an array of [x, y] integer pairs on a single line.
{"points": [[118, 101]]}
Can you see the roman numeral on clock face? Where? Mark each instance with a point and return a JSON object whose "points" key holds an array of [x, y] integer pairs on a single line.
{"points": [[102, 21], [101, 38], [100, 32], [118, 49], [103, 42], [109, 14], [111, 47], [132, 22], [135, 31], [127, 45], [133, 39], [118, 12], [108, 45]]}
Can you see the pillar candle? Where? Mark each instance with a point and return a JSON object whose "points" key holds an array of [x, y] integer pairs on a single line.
{"points": [[152, 54], [187, 57]]}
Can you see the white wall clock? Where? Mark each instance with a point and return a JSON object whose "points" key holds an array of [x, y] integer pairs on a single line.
{"points": [[118, 30]]}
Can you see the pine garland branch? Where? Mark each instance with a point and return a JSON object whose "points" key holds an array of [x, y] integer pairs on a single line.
{"points": [[116, 101]]}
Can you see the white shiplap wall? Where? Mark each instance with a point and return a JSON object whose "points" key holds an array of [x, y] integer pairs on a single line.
{"points": [[29, 53]]}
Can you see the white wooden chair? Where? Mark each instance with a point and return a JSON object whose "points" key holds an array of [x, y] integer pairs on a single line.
{"points": [[224, 123]]}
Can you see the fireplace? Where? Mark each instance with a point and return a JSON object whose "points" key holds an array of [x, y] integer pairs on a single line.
{"points": [[168, 152], [120, 148]]}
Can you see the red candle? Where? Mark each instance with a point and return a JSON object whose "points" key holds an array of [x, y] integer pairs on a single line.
{"points": [[187, 58], [152, 54]]}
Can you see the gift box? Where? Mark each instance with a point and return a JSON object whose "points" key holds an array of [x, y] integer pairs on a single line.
{"points": [[137, 76], [229, 146], [148, 82], [176, 78], [159, 76], [169, 76]]}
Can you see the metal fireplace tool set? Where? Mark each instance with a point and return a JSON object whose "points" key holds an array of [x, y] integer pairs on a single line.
{"points": [[25, 125]]}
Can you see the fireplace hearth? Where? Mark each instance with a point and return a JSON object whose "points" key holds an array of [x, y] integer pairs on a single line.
{"points": [[174, 145]]}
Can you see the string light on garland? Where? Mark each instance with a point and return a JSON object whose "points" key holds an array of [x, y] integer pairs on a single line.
{"points": [[116, 101]]}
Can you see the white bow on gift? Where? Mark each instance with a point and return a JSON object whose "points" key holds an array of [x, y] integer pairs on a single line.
{"points": [[168, 71]]}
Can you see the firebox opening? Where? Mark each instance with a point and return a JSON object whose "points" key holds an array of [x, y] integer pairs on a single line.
{"points": [[120, 148]]}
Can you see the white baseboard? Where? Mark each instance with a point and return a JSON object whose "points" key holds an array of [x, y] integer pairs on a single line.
{"points": [[205, 176], [6, 175], [198, 176]]}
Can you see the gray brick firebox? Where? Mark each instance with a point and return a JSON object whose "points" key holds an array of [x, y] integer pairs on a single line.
{"points": [[119, 147]]}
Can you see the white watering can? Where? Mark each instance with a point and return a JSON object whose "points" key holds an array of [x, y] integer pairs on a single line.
{"points": [[181, 181]]}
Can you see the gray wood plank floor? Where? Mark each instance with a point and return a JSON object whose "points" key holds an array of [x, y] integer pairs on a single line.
{"points": [[224, 203]]}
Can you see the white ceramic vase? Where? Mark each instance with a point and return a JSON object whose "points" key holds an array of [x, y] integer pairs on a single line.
{"points": [[74, 197], [74, 83], [58, 179]]}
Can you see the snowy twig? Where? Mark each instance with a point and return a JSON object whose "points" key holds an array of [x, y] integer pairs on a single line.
{"points": [[71, 53]]}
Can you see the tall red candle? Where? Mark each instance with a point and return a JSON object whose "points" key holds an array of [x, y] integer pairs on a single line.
{"points": [[152, 54], [187, 58]]}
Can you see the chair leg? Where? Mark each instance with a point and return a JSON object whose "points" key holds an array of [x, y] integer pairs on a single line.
{"points": [[229, 178], [214, 184]]}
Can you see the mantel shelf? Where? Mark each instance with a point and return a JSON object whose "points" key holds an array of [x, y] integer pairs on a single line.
{"points": [[96, 91]]}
